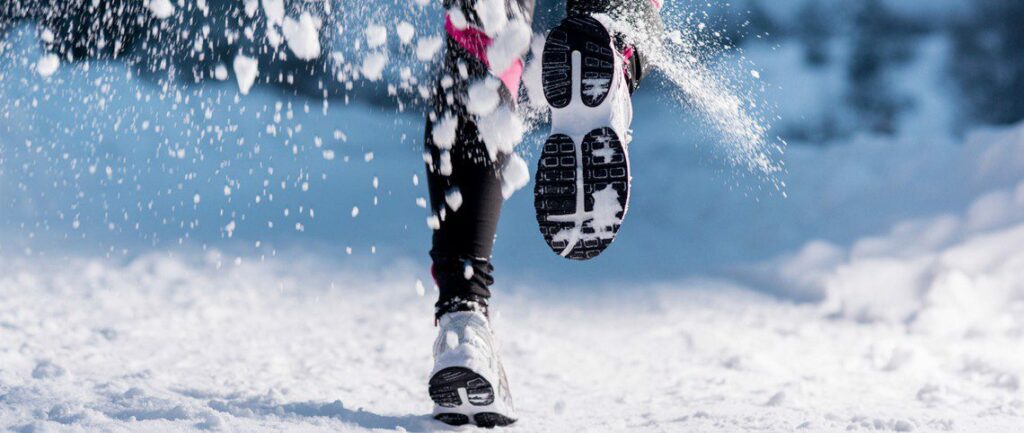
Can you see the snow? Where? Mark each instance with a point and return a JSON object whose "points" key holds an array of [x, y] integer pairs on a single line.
{"points": [[46, 35], [514, 175], [246, 71], [606, 210], [595, 87], [303, 36], [453, 197], [434, 222], [501, 131], [949, 274], [221, 72], [250, 7], [457, 18], [482, 97], [160, 9], [509, 46], [493, 16], [376, 35], [202, 342], [428, 47], [373, 65], [723, 101], [532, 75], [47, 65], [444, 166], [444, 132], [274, 10], [405, 32]]}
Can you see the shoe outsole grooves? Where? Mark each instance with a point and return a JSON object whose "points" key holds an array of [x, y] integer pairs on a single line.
{"points": [[569, 173], [444, 391], [491, 420], [588, 36], [566, 216], [452, 418]]}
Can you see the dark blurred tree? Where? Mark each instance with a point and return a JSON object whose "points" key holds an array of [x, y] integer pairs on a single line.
{"points": [[814, 29], [881, 41], [989, 61]]}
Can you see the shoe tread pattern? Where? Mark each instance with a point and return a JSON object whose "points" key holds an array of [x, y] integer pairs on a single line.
{"points": [[444, 391], [588, 36], [555, 188]]}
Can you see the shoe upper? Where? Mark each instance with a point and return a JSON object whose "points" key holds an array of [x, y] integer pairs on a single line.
{"points": [[621, 100], [465, 339]]}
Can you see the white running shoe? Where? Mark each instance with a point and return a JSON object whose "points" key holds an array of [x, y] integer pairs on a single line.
{"points": [[582, 181], [468, 383]]}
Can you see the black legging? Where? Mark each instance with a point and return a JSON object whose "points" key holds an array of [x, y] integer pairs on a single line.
{"points": [[465, 238]]}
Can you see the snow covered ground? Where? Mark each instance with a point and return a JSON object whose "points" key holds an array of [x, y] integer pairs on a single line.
{"points": [[162, 343]]}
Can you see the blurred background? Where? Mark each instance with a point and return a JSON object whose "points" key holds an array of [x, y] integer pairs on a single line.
{"points": [[213, 217], [125, 130]]}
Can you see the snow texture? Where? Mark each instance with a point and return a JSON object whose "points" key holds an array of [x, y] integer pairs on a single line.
{"points": [[47, 65], [376, 35], [163, 343], [509, 46], [405, 32], [532, 80], [493, 16], [303, 36], [501, 131], [160, 9], [428, 47], [274, 10], [482, 97], [454, 199], [373, 65], [514, 175], [722, 101], [444, 132], [246, 71]]}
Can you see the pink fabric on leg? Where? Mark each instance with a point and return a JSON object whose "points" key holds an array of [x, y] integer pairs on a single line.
{"points": [[512, 76], [476, 42], [472, 39]]}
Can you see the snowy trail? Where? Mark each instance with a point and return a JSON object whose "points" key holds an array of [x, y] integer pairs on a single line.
{"points": [[295, 344]]}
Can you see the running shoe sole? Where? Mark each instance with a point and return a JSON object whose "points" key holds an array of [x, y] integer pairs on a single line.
{"points": [[582, 182]]}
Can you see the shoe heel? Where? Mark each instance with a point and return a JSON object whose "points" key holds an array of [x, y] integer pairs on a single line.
{"points": [[581, 192]]}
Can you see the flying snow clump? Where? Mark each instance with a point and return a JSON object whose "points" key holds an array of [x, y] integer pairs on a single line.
{"points": [[501, 131], [376, 35], [373, 65], [303, 36], [47, 65], [405, 32], [483, 96], [509, 46], [160, 9], [444, 132], [514, 175], [427, 48], [246, 71]]}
